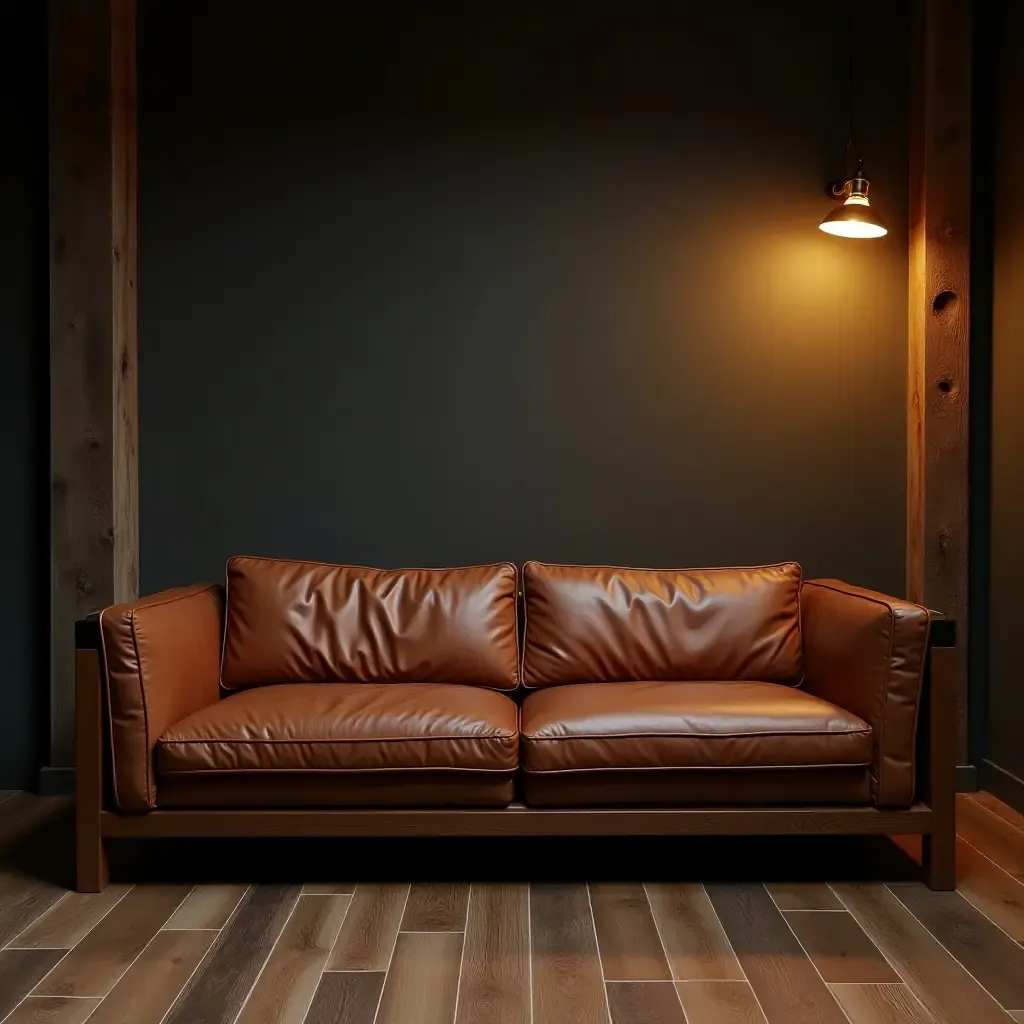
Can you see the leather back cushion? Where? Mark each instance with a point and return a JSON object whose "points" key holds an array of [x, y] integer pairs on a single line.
{"points": [[309, 622], [606, 624]]}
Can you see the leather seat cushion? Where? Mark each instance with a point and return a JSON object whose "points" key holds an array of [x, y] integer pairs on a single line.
{"points": [[687, 787], [417, 788], [346, 727], [602, 726]]}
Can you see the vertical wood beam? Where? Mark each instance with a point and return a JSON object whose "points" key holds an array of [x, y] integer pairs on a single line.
{"points": [[939, 318], [93, 329]]}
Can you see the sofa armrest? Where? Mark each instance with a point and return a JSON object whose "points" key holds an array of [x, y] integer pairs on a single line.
{"points": [[161, 661], [867, 653]]}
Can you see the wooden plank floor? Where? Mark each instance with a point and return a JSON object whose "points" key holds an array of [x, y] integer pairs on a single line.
{"points": [[563, 950]]}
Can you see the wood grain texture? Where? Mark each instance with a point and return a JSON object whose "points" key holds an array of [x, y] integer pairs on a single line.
{"points": [[436, 907], [495, 985], [285, 988], [719, 1002], [803, 896], [328, 888], [368, 935], [423, 981], [207, 906], [218, 990], [93, 395], [839, 949], [520, 821], [23, 900], [20, 971], [567, 978], [782, 977], [96, 964], [939, 319], [346, 997], [996, 894], [937, 724], [627, 936], [997, 807], [70, 920], [52, 1010], [987, 952], [92, 868], [693, 936], [947, 991], [150, 986], [880, 1004], [644, 1002], [988, 832]]}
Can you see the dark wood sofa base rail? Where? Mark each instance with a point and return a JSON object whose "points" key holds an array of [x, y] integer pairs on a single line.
{"points": [[519, 820], [932, 816]]}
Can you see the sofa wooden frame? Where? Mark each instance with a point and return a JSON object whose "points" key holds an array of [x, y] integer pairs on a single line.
{"points": [[932, 815]]}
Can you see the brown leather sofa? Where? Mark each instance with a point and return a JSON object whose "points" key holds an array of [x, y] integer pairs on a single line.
{"points": [[314, 699]]}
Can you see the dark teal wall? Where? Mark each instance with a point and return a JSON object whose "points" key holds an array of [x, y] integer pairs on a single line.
{"points": [[447, 283], [1004, 746], [24, 530]]}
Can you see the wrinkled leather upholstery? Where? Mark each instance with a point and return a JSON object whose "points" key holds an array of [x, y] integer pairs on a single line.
{"points": [[866, 652], [309, 622], [346, 727], [667, 725], [653, 787], [162, 659], [606, 624]]}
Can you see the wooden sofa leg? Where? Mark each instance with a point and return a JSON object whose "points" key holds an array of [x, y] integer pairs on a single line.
{"points": [[938, 848], [938, 858], [91, 868]]}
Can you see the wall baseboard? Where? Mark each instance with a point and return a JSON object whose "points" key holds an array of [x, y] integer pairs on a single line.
{"points": [[967, 778], [1003, 784], [56, 781]]}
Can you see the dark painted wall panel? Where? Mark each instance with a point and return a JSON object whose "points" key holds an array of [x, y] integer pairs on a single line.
{"points": [[428, 284], [24, 529], [1006, 682]]}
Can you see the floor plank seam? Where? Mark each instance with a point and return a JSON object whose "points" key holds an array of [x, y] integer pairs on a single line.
{"points": [[341, 924], [202, 960], [807, 910], [431, 931], [889, 886], [984, 988], [49, 910], [462, 956], [600, 958], [1005, 821], [391, 955], [810, 959], [263, 966], [127, 969], [529, 945], [899, 974], [33, 923], [739, 962], [67, 953], [664, 948], [999, 867]]}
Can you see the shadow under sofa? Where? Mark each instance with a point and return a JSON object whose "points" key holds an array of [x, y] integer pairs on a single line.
{"points": [[309, 699]]}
